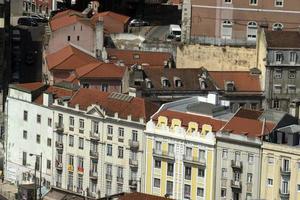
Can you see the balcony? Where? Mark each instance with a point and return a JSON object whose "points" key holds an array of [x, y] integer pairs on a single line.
{"points": [[70, 168], [285, 172], [80, 170], [249, 187], [59, 145], [236, 185], [59, 127], [224, 183], [94, 154], [133, 184], [133, 163], [93, 175], [284, 194], [194, 160], [108, 176], [163, 154], [120, 179], [58, 165], [94, 136], [133, 144], [70, 187], [237, 165]]}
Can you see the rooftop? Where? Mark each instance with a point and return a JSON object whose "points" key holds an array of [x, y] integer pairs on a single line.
{"points": [[141, 196], [283, 39], [116, 16], [294, 128]]}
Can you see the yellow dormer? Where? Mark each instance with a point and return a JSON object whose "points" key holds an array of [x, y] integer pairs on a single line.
{"points": [[162, 121], [192, 126], [206, 128], [175, 123]]}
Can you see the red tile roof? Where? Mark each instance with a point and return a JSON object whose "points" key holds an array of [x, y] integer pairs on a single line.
{"points": [[64, 19], [68, 58], [243, 80], [29, 87], [188, 117], [57, 93], [283, 39], [137, 107], [131, 57], [116, 16], [141, 196], [249, 114]]}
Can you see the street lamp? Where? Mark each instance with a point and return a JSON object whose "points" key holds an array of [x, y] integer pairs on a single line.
{"points": [[35, 166]]}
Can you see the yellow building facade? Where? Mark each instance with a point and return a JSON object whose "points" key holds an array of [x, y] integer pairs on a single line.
{"points": [[280, 172], [179, 159]]}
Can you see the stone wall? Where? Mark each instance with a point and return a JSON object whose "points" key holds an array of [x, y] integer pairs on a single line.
{"points": [[216, 57]]}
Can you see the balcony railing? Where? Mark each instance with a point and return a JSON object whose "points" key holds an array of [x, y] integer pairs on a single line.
{"points": [[93, 174], [94, 135], [284, 194], [133, 184], [237, 165], [133, 144], [94, 154], [133, 162], [80, 169], [236, 184], [170, 173], [285, 171], [187, 177], [249, 187], [59, 127], [59, 145], [120, 179], [108, 176], [58, 165], [163, 154], [194, 160]]}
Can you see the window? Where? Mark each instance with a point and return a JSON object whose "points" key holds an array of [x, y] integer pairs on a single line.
{"points": [[95, 127], [277, 73], [120, 152], [200, 192], [250, 158], [187, 191], [80, 180], [121, 132], [278, 3], [157, 164], [71, 160], [71, 121], [223, 192], [81, 124], [171, 149], [38, 138], [276, 105], [298, 188], [157, 182], [136, 56], [74, 28], [170, 188], [224, 153], [109, 150], [120, 173], [48, 164], [227, 1], [277, 27], [108, 187], [109, 169], [38, 119], [291, 89], [285, 165], [270, 160], [81, 143], [237, 176], [157, 145], [69, 38], [226, 29], [134, 135], [253, 106], [278, 57], [49, 122], [224, 173], [109, 130], [277, 88], [249, 177], [70, 181], [201, 154], [49, 142], [119, 187], [293, 57], [104, 87], [188, 152], [187, 173], [285, 187], [201, 172], [71, 140], [253, 2], [24, 134], [170, 169], [292, 74], [25, 115], [86, 85], [78, 37], [24, 159], [251, 30], [237, 156]]}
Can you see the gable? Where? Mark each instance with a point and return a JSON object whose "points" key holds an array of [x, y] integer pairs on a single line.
{"points": [[96, 111]]}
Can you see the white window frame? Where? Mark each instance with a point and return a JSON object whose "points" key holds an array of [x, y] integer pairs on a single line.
{"points": [[277, 26], [226, 26], [270, 180], [251, 28], [228, 1], [253, 4], [293, 57], [279, 1], [278, 55], [277, 88]]}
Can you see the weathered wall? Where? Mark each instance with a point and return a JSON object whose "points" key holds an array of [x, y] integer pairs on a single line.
{"points": [[216, 57]]}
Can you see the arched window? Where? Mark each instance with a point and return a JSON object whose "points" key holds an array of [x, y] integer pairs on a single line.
{"points": [[277, 27], [251, 30], [226, 30]]}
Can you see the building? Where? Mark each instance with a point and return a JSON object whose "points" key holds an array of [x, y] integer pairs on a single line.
{"points": [[281, 164], [30, 131], [278, 56], [234, 22], [180, 148], [167, 84]]}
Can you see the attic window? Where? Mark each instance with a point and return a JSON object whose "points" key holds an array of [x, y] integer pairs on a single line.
{"points": [[136, 56], [148, 83], [177, 82], [164, 82], [202, 84], [229, 86]]}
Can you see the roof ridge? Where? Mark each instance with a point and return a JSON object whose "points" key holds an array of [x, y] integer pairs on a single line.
{"points": [[68, 46], [93, 68]]}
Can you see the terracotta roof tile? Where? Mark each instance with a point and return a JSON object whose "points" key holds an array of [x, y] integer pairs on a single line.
{"points": [[283, 39], [116, 16], [137, 107], [64, 19], [29, 87], [57, 93], [242, 80], [188, 117], [131, 57], [68, 58], [141, 196], [249, 114]]}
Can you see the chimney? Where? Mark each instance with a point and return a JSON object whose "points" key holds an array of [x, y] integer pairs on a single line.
{"points": [[99, 38], [47, 99]]}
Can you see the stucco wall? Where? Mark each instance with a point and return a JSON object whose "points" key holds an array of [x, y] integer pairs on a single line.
{"points": [[216, 58]]}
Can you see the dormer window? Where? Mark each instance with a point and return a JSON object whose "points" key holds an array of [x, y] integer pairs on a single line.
{"points": [[229, 86], [202, 84], [148, 83], [164, 82], [177, 82], [278, 57], [293, 57]]}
